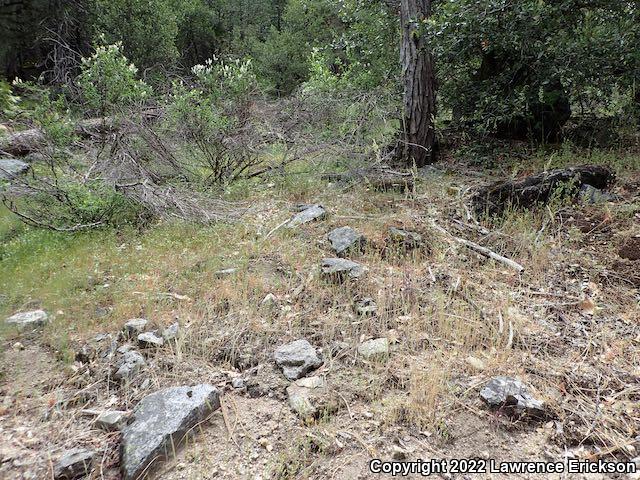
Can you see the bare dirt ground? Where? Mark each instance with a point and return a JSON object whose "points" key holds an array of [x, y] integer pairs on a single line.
{"points": [[568, 327]]}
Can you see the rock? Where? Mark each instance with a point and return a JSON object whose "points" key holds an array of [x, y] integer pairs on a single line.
{"points": [[129, 365], [75, 463], [593, 195], [18, 346], [135, 326], [296, 359], [509, 392], [304, 395], [269, 300], [11, 168], [24, 320], [161, 421], [404, 238], [346, 239], [225, 272], [172, 332], [308, 214], [112, 420], [150, 339], [238, 382], [339, 269], [475, 362], [378, 347], [366, 306]]}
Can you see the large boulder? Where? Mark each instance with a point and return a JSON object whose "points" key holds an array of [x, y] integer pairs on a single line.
{"points": [[296, 359], [308, 213], [75, 463], [511, 394], [24, 320], [340, 269], [346, 239], [11, 168], [161, 421]]}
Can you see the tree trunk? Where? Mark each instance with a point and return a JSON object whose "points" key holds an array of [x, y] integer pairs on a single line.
{"points": [[419, 84]]}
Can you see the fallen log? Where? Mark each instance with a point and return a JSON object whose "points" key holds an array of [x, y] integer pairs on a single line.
{"points": [[20, 144], [539, 188], [381, 179]]}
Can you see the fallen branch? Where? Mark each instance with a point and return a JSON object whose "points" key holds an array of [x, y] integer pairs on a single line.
{"points": [[481, 250]]}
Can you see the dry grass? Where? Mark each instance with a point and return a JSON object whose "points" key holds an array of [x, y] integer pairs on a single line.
{"points": [[439, 306]]}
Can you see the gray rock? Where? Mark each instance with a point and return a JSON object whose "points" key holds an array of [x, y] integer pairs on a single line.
{"points": [[339, 269], [346, 239], [405, 238], [512, 393], [238, 382], [129, 365], [269, 300], [24, 320], [135, 326], [296, 359], [75, 463], [112, 420], [161, 421], [11, 168], [305, 394], [366, 306], [593, 195], [150, 339], [308, 214], [172, 332], [378, 347]]}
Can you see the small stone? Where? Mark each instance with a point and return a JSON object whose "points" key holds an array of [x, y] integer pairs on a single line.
{"points": [[296, 359], [366, 307], [339, 269], [24, 320], [475, 362], [398, 454], [150, 339], [112, 420], [269, 300], [135, 326], [511, 393], [346, 239], [161, 421], [309, 213], [378, 347], [303, 392], [129, 365], [172, 332], [238, 382], [73, 464], [405, 238]]}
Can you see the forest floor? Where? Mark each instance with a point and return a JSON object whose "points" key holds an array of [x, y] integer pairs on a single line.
{"points": [[568, 327]]}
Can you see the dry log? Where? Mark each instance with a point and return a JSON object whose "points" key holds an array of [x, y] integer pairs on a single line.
{"points": [[383, 179], [539, 188], [20, 144]]}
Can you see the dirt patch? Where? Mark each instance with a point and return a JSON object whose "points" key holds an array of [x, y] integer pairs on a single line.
{"points": [[630, 249]]}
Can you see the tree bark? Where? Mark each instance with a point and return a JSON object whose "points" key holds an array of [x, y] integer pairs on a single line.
{"points": [[419, 84]]}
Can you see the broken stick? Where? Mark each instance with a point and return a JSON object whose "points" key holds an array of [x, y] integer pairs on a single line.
{"points": [[481, 250]]}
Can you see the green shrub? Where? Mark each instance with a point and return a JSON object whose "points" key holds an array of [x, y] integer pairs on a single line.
{"points": [[108, 81]]}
